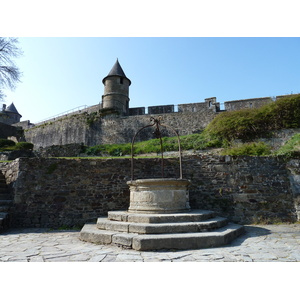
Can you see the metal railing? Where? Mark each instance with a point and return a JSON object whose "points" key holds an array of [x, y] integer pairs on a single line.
{"points": [[73, 110]]}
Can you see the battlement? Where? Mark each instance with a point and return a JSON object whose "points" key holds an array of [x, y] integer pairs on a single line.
{"points": [[209, 104]]}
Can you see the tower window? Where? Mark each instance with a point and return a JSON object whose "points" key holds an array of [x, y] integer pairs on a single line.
{"points": [[121, 80]]}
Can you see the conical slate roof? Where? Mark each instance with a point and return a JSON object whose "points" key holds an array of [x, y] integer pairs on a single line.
{"points": [[116, 71], [11, 108]]}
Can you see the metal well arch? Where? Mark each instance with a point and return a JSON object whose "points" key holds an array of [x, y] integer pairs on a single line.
{"points": [[157, 122]]}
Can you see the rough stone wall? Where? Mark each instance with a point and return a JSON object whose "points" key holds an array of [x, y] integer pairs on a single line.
{"points": [[163, 109], [278, 139], [113, 129], [245, 189], [56, 192], [246, 103], [294, 167], [69, 150], [87, 127], [8, 130]]}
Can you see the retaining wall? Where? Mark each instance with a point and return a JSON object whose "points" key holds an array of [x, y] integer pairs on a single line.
{"points": [[55, 192]]}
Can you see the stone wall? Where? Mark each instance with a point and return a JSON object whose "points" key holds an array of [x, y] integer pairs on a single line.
{"points": [[246, 103], [8, 131], [294, 167], [91, 126], [55, 192], [69, 150], [95, 130]]}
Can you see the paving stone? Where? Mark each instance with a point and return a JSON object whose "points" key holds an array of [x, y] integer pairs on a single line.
{"points": [[5, 258], [37, 246], [79, 257], [97, 258], [110, 258], [129, 257], [36, 258]]}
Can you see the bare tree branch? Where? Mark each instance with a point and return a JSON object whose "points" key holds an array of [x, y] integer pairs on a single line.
{"points": [[9, 74]]}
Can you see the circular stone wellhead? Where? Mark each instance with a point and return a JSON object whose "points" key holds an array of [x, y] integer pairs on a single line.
{"points": [[163, 195]]}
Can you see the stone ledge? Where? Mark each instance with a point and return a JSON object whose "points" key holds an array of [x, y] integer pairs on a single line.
{"points": [[191, 216], [158, 228]]}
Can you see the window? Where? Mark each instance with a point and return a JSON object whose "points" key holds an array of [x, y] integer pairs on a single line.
{"points": [[121, 80]]}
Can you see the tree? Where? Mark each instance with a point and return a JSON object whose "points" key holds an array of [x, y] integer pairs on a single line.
{"points": [[9, 73]]}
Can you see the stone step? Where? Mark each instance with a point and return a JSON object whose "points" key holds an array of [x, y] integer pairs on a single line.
{"points": [[158, 228], [90, 233], [180, 241], [191, 216]]}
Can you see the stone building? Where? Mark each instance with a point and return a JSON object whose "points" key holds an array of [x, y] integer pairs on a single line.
{"points": [[9, 115], [116, 90]]}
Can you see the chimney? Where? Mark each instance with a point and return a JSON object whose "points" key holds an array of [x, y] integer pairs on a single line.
{"points": [[3, 107]]}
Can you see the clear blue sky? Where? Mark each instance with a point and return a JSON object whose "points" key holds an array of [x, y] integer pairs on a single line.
{"points": [[60, 74], [173, 52]]}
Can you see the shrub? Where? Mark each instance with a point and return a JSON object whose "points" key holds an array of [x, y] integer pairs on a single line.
{"points": [[247, 124], [24, 146], [6, 143]]}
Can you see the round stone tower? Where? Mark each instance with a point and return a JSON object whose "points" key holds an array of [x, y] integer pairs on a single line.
{"points": [[116, 90]]}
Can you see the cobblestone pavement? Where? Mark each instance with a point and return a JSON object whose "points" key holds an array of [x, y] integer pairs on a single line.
{"points": [[263, 243]]}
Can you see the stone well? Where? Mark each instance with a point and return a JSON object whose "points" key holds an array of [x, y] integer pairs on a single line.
{"points": [[163, 195]]}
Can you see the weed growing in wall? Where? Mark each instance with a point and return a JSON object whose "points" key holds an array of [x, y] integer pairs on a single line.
{"points": [[291, 148]]}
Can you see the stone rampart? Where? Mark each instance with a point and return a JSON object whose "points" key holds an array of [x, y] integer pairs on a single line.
{"points": [[111, 129], [246, 103], [91, 126], [55, 192]]}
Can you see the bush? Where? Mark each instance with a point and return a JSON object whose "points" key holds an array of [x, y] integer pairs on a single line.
{"points": [[247, 124], [24, 146], [251, 149], [6, 143]]}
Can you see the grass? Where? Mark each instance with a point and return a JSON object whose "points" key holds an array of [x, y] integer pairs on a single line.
{"points": [[188, 142], [250, 149]]}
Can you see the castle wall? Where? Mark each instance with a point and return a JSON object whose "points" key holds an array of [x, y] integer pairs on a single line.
{"points": [[92, 127], [57, 192], [94, 130], [8, 130], [246, 103]]}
